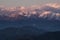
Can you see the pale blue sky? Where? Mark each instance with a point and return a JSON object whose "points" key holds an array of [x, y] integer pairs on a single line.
{"points": [[26, 2]]}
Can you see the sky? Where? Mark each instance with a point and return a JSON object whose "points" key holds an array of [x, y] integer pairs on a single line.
{"points": [[26, 2]]}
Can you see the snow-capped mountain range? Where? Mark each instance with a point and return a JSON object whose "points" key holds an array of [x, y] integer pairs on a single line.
{"points": [[49, 11]]}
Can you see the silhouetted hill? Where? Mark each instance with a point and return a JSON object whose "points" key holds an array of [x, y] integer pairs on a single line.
{"points": [[50, 36], [46, 36], [28, 33]]}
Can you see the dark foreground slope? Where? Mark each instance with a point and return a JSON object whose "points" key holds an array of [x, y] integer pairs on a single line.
{"points": [[30, 30], [28, 34], [46, 36]]}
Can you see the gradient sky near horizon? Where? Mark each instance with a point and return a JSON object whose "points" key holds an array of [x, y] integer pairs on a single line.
{"points": [[26, 2]]}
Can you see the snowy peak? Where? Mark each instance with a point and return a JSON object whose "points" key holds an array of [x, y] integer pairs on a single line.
{"points": [[48, 11]]}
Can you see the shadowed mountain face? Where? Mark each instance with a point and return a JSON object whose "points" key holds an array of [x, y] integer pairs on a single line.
{"points": [[30, 29]]}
